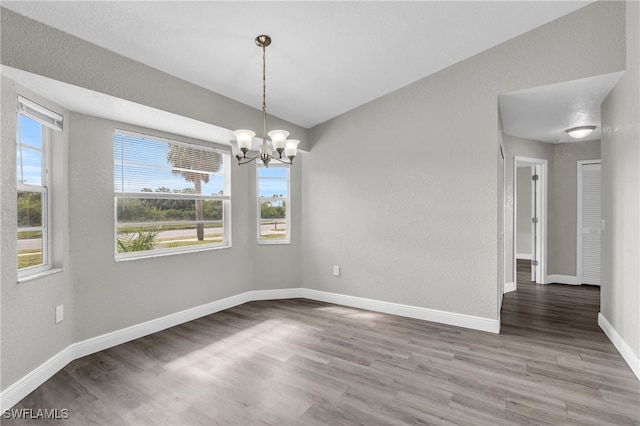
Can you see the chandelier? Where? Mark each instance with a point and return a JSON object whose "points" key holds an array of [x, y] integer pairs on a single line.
{"points": [[279, 139]]}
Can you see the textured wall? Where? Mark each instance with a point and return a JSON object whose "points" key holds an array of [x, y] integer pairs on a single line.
{"points": [[113, 295], [519, 147], [401, 192], [29, 333], [100, 295], [563, 204], [66, 58], [620, 195]]}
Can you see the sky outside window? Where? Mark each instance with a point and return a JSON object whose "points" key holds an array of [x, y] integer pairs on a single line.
{"points": [[29, 155], [273, 181]]}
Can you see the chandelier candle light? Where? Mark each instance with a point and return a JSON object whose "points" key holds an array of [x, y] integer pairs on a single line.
{"points": [[279, 140]]}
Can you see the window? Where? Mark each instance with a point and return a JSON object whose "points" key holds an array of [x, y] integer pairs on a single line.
{"points": [[273, 204], [169, 196], [33, 194]]}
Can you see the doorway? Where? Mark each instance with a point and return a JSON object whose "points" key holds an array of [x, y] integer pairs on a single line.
{"points": [[500, 238], [529, 236]]}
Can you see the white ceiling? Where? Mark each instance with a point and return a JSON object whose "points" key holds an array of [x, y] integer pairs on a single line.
{"points": [[545, 113], [326, 57]]}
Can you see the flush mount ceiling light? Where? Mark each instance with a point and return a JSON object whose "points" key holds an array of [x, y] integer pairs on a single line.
{"points": [[244, 138], [580, 132]]}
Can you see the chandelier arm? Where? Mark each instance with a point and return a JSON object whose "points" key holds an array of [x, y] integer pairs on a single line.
{"points": [[282, 161], [246, 160]]}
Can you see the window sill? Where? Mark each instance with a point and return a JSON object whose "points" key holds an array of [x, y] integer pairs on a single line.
{"points": [[173, 253], [39, 275], [273, 242]]}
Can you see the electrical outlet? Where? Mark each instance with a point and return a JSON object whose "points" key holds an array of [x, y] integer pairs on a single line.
{"points": [[336, 270], [59, 313], [603, 225]]}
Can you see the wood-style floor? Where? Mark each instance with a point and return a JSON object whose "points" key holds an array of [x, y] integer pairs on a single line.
{"points": [[305, 362]]}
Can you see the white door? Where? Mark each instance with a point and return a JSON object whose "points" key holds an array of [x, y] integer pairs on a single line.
{"points": [[536, 224], [590, 223]]}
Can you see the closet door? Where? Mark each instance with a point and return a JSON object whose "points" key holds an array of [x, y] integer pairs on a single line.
{"points": [[590, 221]]}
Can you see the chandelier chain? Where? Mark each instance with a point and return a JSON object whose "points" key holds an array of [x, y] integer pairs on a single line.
{"points": [[280, 144], [264, 92]]}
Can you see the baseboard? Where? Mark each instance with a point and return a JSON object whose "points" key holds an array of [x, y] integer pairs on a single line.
{"points": [[631, 358], [509, 287], [118, 337], [14, 393], [27, 384], [562, 279], [426, 314], [283, 293], [523, 256]]}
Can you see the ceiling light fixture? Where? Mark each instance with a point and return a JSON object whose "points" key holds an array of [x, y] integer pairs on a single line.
{"points": [[580, 132], [244, 138]]}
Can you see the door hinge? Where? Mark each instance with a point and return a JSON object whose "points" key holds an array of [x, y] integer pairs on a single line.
{"points": [[535, 220], [534, 263], [535, 177]]}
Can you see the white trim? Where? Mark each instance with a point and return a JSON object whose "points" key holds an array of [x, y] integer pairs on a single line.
{"points": [[562, 279], [259, 199], [426, 314], [509, 287], [501, 221], [208, 145], [45, 190], [631, 359], [278, 294], [42, 115], [523, 256], [27, 384], [50, 271], [541, 167], [118, 337]]}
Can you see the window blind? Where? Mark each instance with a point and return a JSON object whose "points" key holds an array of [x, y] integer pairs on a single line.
{"points": [[144, 164], [37, 112]]}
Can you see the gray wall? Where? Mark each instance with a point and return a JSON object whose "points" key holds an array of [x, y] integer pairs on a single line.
{"points": [[620, 303], [112, 295], [29, 333], [523, 211], [563, 204], [401, 192], [100, 295], [60, 56]]}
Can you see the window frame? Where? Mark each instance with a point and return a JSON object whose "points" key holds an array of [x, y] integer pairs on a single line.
{"points": [[226, 203], [260, 200], [44, 188]]}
